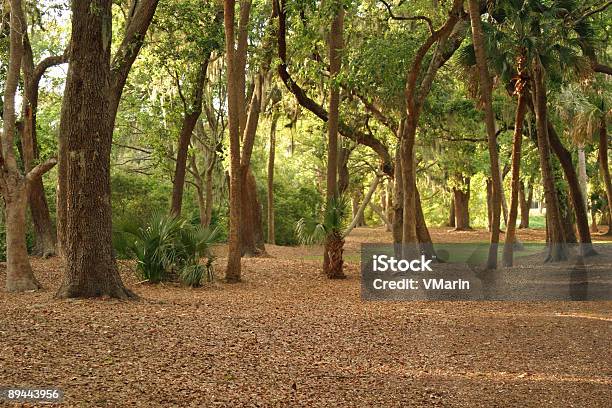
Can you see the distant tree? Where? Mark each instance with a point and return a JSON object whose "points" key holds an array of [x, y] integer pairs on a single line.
{"points": [[14, 184]]}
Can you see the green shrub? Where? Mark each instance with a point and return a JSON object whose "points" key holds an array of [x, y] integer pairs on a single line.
{"points": [[290, 205], [167, 247]]}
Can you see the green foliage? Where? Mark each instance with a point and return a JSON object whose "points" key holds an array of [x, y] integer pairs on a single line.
{"points": [[166, 246], [289, 206], [310, 232]]}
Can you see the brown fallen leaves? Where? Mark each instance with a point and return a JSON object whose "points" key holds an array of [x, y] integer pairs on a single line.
{"points": [[289, 337]]}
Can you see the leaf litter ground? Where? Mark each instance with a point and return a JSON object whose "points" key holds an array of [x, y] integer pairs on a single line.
{"points": [[286, 336]]}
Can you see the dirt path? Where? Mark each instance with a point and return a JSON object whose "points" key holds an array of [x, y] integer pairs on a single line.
{"points": [[288, 337]]}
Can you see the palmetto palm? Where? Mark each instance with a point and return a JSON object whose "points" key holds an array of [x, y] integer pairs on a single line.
{"points": [[330, 230], [554, 47]]}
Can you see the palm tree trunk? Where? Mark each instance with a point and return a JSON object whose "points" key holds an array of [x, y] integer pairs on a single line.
{"points": [[332, 266], [521, 108], [233, 271], [486, 95], [556, 249]]}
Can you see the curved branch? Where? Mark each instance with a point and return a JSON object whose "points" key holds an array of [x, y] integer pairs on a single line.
{"points": [[408, 18], [308, 103]]}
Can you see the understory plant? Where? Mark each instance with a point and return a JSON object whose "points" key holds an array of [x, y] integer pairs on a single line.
{"points": [[168, 247], [330, 232]]}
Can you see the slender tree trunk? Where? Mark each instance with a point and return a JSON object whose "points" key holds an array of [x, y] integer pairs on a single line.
{"points": [[398, 199], [271, 156], [421, 227], [461, 199], [359, 213], [594, 227], [525, 199], [389, 207], [193, 110], [343, 172], [19, 275], [332, 259], [575, 192], [39, 209], [583, 178], [13, 186], [233, 272], [485, 91], [604, 168], [489, 204], [91, 270], [557, 250], [409, 234], [178, 182], [209, 195], [451, 213], [508, 255]]}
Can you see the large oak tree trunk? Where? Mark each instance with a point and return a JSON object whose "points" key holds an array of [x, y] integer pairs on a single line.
{"points": [[86, 132], [556, 247], [485, 91]]}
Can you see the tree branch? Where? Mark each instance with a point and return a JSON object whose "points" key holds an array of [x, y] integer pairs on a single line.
{"points": [[41, 169], [314, 107], [408, 18]]}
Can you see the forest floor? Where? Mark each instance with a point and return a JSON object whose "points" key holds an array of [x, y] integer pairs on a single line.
{"points": [[286, 336]]}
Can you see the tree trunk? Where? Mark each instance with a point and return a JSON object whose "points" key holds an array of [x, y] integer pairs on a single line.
{"points": [[39, 209], [233, 271], [332, 258], [343, 172], [461, 200], [421, 228], [19, 275], [409, 235], [91, 270], [271, 156], [556, 249], [604, 168], [489, 204], [485, 91], [508, 255], [526, 199], [334, 248], [128, 50], [575, 192], [193, 110], [178, 181], [451, 213], [594, 227], [209, 195], [358, 213], [583, 178], [13, 186], [398, 199], [251, 237]]}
